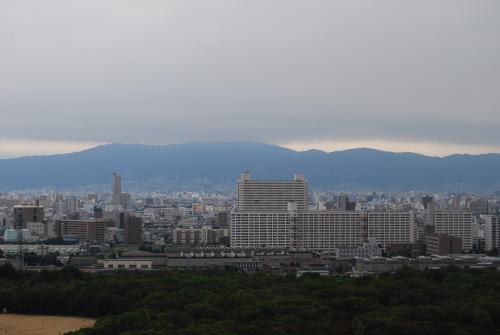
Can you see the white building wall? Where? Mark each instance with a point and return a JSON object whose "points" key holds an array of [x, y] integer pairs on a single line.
{"points": [[391, 227], [457, 224]]}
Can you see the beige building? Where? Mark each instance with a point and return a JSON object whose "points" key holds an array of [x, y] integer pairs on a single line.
{"points": [[456, 224], [86, 231]]}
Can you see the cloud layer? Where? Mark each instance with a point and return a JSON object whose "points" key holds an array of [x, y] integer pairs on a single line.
{"points": [[280, 71]]}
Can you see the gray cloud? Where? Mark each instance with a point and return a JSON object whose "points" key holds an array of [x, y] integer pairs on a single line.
{"points": [[279, 70]]}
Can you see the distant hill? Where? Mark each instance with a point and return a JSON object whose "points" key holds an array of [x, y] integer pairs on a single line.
{"points": [[223, 162]]}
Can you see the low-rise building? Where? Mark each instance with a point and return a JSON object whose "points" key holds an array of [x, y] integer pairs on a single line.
{"points": [[441, 244], [366, 250]]}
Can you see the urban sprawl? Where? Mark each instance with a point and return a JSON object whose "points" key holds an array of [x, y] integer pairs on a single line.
{"points": [[282, 227]]}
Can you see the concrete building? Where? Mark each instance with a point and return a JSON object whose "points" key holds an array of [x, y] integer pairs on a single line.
{"points": [[324, 231], [131, 264], [431, 213], [117, 190], [22, 214], [187, 236], [70, 204], [205, 235], [311, 230], [456, 224], [133, 229], [384, 265], [480, 207], [86, 231], [366, 250], [274, 214], [261, 229], [492, 232], [391, 227], [37, 230], [271, 196], [441, 244], [426, 200]]}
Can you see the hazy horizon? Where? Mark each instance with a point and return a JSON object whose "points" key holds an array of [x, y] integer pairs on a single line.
{"points": [[27, 148], [419, 76]]}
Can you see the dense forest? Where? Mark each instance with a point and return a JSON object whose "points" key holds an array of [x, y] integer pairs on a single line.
{"points": [[446, 301]]}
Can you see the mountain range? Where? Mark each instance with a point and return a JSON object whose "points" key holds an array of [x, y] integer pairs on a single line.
{"points": [[223, 162]]}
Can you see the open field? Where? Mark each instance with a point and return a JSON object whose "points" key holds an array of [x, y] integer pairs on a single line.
{"points": [[13, 324]]}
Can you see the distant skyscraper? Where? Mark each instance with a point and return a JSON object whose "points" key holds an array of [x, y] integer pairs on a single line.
{"points": [[117, 189]]}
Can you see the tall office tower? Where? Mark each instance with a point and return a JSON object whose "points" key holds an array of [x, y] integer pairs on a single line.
{"points": [[492, 232], [133, 229], [389, 228], [263, 195], [426, 200], [455, 223], [117, 189], [23, 214]]}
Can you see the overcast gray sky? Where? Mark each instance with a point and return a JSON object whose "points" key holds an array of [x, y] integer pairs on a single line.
{"points": [[419, 75]]}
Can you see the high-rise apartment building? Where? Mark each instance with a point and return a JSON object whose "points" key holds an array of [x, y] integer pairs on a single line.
{"points": [[264, 195], [254, 229], [455, 223], [391, 227], [274, 214], [492, 232], [325, 231]]}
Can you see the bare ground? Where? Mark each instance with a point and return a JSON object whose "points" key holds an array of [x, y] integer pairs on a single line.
{"points": [[13, 324]]}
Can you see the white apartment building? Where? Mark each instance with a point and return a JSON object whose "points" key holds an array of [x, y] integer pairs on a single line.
{"points": [[271, 195], [391, 227], [455, 223], [492, 232], [327, 230], [261, 229]]}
